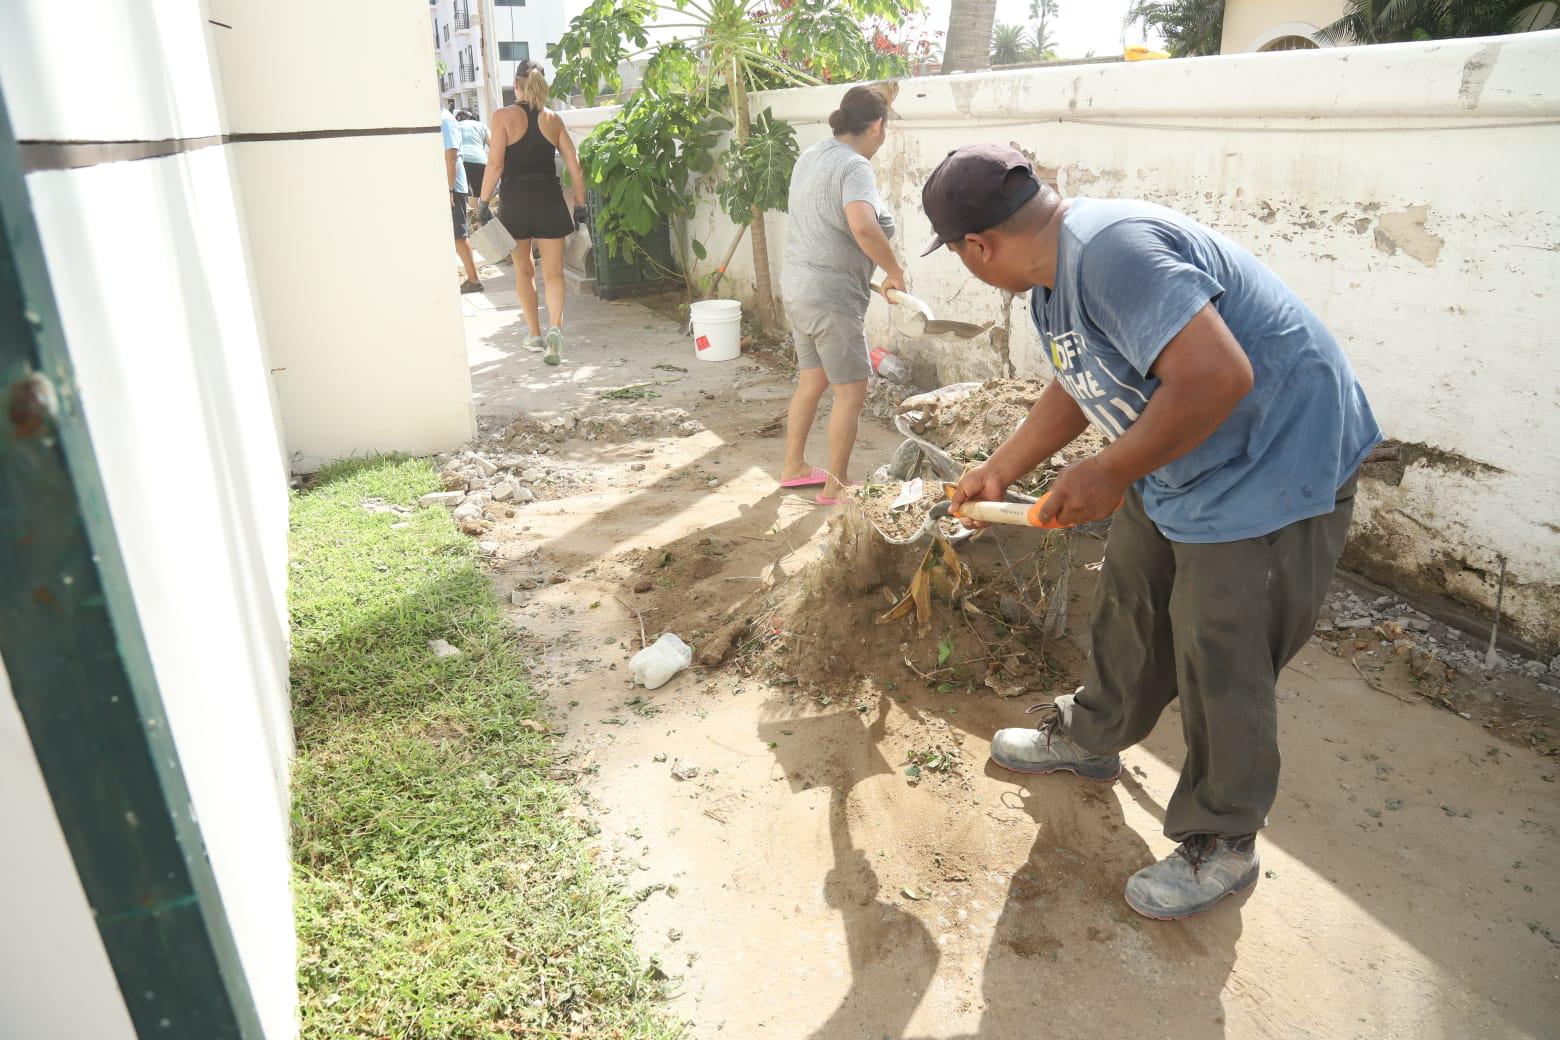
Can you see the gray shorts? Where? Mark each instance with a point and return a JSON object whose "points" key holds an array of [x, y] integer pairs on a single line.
{"points": [[836, 342]]}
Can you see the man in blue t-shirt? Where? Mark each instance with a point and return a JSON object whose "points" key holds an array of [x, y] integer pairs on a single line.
{"points": [[1236, 428], [455, 174]]}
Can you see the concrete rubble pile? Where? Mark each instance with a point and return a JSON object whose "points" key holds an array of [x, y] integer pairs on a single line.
{"points": [[478, 484], [1348, 613]]}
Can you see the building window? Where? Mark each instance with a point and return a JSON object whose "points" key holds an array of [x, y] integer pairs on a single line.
{"points": [[508, 3], [514, 51], [509, 95], [446, 34], [1290, 43]]}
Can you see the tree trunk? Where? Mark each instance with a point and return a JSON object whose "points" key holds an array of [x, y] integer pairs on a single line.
{"points": [[763, 285], [969, 35]]}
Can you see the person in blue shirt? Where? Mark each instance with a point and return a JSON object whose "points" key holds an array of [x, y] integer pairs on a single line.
{"points": [[455, 174], [1236, 428]]}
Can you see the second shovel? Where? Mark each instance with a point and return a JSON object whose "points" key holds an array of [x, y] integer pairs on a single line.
{"points": [[923, 323]]}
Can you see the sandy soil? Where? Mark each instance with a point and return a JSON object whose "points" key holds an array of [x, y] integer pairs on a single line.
{"points": [[805, 885]]}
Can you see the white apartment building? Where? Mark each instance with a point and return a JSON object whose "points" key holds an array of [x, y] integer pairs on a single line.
{"points": [[481, 41]]}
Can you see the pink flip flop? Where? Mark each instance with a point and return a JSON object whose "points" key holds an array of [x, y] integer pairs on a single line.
{"points": [[814, 478], [825, 500]]}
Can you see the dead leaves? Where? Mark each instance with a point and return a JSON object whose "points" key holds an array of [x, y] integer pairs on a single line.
{"points": [[939, 567]]}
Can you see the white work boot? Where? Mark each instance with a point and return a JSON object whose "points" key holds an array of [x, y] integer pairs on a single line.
{"points": [[1201, 871], [1045, 749]]}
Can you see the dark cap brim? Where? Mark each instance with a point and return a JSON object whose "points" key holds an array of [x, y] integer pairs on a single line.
{"points": [[935, 244]]}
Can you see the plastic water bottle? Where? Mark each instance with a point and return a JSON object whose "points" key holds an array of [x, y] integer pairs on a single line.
{"points": [[889, 366], [661, 660]]}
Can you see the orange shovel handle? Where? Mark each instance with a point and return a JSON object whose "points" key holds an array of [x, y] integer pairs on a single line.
{"points": [[1013, 513]]}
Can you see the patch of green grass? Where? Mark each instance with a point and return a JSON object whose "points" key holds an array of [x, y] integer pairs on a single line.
{"points": [[443, 889]]}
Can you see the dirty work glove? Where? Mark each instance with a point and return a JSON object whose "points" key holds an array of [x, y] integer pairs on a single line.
{"points": [[581, 215], [484, 214]]}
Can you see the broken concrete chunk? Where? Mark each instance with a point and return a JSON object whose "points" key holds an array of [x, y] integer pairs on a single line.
{"points": [[503, 491], [524, 495], [484, 467], [468, 511], [449, 499], [442, 648], [487, 548], [684, 770]]}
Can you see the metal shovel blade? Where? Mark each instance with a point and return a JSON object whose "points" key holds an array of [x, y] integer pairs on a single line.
{"points": [[924, 324], [956, 329]]}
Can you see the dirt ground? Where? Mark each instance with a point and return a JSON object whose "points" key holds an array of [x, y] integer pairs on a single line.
{"points": [[809, 883]]}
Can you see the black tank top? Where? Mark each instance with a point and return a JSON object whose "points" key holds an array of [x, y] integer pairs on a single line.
{"points": [[531, 157]]}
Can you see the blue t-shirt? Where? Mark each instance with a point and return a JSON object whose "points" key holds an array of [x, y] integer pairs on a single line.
{"points": [[1129, 277], [451, 131], [473, 142]]}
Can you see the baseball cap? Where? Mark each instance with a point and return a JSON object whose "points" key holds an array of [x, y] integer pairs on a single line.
{"points": [[964, 194]]}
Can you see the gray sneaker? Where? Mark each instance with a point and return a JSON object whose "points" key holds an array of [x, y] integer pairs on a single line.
{"points": [[535, 344], [1201, 871], [1044, 749], [554, 353]]}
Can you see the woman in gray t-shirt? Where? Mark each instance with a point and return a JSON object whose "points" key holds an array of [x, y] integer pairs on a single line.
{"points": [[838, 233]]}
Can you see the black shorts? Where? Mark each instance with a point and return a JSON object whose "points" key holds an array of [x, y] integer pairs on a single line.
{"points": [[458, 212], [475, 171], [533, 207]]}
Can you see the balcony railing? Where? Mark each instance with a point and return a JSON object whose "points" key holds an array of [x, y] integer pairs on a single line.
{"points": [[468, 72], [462, 19]]}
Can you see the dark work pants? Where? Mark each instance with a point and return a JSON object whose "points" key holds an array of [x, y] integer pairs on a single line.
{"points": [[1213, 624]]}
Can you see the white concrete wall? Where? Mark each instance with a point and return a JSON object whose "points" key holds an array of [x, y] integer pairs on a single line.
{"points": [[1405, 192], [348, 229], [149, 267], [55, 978]]}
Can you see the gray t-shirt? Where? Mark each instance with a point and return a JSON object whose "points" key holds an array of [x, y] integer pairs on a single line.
{"points": [[823, 264]]}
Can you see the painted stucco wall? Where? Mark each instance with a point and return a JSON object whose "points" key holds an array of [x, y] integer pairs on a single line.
{"points": [[55, 978], [150, 270], [344, 207], [1250, 24], [1405, 192]]}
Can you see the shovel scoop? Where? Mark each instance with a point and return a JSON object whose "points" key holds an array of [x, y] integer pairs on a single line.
{"points": [[923, 323]]}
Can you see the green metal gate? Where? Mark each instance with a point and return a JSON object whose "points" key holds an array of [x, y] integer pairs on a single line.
{"points": [[82, 677]]}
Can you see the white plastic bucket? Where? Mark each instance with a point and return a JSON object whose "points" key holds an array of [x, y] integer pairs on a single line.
{"points": [[717, 330]]}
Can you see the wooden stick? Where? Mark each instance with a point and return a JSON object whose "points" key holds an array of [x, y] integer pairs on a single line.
{"points": [[1379, 689], [1490, 658], [643, 642]]}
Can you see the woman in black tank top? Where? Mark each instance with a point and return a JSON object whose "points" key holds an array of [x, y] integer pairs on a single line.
{"points": [[525, 142]]}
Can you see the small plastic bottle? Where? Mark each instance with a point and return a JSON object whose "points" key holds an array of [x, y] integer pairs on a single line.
{"points": [[888, 366], [661, 660]]}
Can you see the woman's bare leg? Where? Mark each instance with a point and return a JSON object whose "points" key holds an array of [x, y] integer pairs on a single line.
{"points": [[848, 401], [552, 278], [525, 285], [810, 386]]}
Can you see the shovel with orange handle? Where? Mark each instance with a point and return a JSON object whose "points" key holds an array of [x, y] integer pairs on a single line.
{"points": [[1016, 514]]}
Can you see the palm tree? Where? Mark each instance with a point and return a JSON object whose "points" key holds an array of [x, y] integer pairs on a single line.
{"points": [[969, 35], [1401, 21], [1189, 27], [1043, 41], [1009, 45]]}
